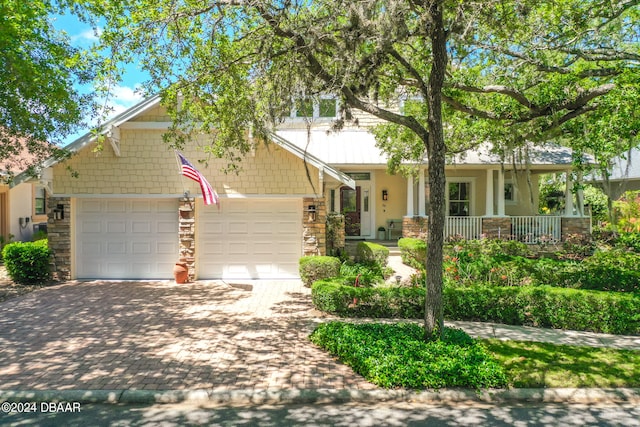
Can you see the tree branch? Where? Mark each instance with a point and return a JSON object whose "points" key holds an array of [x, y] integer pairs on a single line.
{"points": [[504, 90]]}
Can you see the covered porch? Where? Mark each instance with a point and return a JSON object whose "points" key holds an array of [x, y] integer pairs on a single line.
{"points": [[503, 215]]}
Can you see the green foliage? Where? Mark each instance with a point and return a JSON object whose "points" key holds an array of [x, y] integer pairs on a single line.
{"points": [[564, 366], [372, 253], [413, 252], [27, 262], [597, 200], [543, 306], [313, 268], [629, 241], [628, 212], [39, 69], [366, 274], [397, 355], [338, 296], [614, 270]]}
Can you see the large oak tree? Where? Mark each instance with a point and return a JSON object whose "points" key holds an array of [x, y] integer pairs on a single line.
{"points": [[39, 76], [509, 72]]}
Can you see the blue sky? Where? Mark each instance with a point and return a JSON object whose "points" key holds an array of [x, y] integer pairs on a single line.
{"points": [[125, 94]]}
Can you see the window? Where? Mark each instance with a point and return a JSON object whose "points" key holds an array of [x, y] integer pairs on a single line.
{"points": [[324, 108], [510, 193], [459, 198], [304, 108], [359, 176], [327, 107], [39, 201]]}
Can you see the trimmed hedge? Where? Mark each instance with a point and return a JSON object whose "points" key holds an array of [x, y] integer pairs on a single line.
{"points": [[543, 306], [333, 296], [28, 262], [372, 253], [314, 268], [413, 252]]}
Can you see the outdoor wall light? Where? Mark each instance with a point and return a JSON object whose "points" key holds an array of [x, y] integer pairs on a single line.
{"points": [[385, 195], [58, 212], [312, 212]]}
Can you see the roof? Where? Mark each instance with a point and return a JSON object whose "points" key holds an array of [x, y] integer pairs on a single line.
{"points": [[358, 147], [152, 102], [626, 168]]}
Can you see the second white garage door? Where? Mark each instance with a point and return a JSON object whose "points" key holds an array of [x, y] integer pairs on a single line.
{"points": [[250, 238]]}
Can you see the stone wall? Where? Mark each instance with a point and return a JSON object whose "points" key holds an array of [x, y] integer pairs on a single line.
{"points": [[187, 233], [59, 236], [314, 223], [496, 227], [577, 225], [415, 226]]}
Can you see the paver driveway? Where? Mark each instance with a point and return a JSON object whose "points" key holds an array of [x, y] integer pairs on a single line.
{"points": [[158, 335]]}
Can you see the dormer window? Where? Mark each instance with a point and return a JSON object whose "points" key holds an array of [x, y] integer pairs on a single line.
{"points": [[322, 108]]}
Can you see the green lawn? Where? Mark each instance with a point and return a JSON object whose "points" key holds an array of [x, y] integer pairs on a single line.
{"points": [[532, 364]]}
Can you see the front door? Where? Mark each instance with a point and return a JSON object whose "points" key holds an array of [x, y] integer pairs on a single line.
{"points": [[350, 207]]}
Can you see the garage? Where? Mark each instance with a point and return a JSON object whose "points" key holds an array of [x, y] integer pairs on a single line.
{"points": [[126, 238], [257, 238]]}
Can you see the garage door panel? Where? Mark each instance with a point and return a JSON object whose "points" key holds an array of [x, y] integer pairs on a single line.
{"points": [[141, 227], [258, 238], [116, 227], [115, 206], [85, 226], [126, 238]]}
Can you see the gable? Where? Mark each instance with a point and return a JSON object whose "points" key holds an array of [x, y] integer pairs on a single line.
{"points": [[147, 166]]}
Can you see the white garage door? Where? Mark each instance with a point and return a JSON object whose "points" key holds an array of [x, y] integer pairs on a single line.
{"points": [[126, 238], [250, 238]]}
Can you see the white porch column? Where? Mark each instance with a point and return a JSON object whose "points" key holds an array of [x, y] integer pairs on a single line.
{"points": [[568, 196], [500, 192], [410, 195], [422, 211], [580, 195], [489, 200]]}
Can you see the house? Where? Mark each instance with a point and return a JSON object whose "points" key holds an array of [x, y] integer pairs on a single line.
{"points": [[23, 207], [624, 175], [126, 212]]}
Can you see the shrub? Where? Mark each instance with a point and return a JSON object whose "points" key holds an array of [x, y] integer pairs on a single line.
{"points": [[614, 270], [27, 262], [372, 253], [313, 268], [629, 241], [366, 275], [396, 355], [543, 306], [338, 296], [413, 252]]}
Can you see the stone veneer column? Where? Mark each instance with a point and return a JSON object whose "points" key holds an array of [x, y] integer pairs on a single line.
{"points": [[415, 226], [575, 226], [496, 227], [187, 233], [59, 237], [314, 234]]}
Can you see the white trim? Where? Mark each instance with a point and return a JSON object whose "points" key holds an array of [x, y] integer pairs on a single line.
{"points": [[488, 210], [410, 211], [422, 211], [180, 195], [146, 125]]}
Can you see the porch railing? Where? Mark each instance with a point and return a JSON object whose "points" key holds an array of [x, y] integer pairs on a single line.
{"points": [[527, 229], [467, 227], [536, 229]]}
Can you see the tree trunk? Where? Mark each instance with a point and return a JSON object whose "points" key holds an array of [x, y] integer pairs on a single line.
{"points": [[436, 151]]}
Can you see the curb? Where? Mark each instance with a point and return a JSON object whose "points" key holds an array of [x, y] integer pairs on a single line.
{"points": [[326, 396]]}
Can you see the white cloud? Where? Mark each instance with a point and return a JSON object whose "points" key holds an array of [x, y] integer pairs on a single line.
{"points": [[88, 36]]}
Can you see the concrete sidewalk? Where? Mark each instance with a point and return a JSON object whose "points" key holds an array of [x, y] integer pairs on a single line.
{"points": [[233, 342]]}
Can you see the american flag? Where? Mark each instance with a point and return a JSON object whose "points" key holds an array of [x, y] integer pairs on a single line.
{"points": [[208, 193]]}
